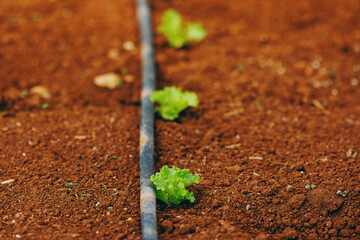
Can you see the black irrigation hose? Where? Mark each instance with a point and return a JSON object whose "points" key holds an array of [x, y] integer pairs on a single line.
{"points": [[147, 193]]}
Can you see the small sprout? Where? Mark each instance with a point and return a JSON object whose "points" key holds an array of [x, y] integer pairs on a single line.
{"points": [[293, 166], [355, 154], [310, 186], [341, 194], [228, 200], [114, 157], [219, 168], [120, 84], [86, 194], [124, 70], [24, 93], [72, 186], [283, 168], [128, 184], [257, 103], [240, 68], [316, 160], [86, 101], [106, 157], [104, 187], [45, 106], [182, 225]]}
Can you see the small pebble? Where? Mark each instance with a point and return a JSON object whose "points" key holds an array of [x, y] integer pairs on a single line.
{"points": [[128, 78], [281, 70], [129, 46], [8, 181], [113, 54], [315, 64], [79, 137], [334, 92], [354, 82], [41, 91], [107, 80]]}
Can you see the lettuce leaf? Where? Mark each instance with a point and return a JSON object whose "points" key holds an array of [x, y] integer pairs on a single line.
{"points": [[170, 185], [172, 101], [177, 33]]}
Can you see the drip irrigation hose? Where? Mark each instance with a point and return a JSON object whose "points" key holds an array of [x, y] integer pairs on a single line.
{"points": [[147, 193]]}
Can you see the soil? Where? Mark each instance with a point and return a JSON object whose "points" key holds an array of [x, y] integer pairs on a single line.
{"points": [[275, 138]]}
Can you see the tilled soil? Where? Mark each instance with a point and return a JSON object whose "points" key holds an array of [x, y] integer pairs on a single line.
{"points": [[275, 138], [75, 164]]}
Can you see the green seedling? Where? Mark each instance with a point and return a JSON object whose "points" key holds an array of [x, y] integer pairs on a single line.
{"points": [[24, 93], [170, 185], [124, 70], [240, 68], [310, 186], [128, 184], [45, 106], [172, 101], [341, 194], [177, 33], [72, 186]]}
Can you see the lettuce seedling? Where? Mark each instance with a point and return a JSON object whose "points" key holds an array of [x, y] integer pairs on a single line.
{"points": [[170, 185], [177, 33], [172, 101]]}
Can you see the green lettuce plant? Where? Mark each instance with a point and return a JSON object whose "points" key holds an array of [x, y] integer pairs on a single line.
{"points": [[172, 101], [177, 33], [171, 182]]}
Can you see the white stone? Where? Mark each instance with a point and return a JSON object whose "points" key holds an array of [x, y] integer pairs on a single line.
{"points": [[107, 80], [41, 90], [129, 46]]}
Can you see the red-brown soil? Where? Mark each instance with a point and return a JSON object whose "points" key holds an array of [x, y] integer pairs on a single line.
{"points": [[290, 119]]}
